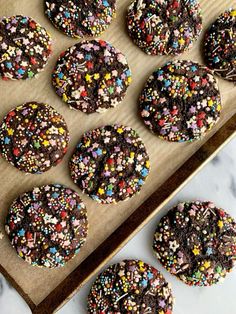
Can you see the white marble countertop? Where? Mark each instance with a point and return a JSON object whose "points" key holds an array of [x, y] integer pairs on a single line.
{"points": [[216, 182]]}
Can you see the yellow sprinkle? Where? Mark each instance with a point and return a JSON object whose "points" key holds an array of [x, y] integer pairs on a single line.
{"points": [[61, 130], [218, 108], [196, 251], [181, 41], [64, 97], [46, 143], [125, 289], [88, 78], [120, 130], [132, 155], [130, 308], [100, 191], [129, 79], [96, 76], [137, 291], [210, 103], [220, 224], [10, 131], [87, 143], [107, 76], [233, 13], [207, 264], [33, 106]]}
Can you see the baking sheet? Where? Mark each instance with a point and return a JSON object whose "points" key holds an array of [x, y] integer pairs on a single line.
{"points": [[165, 157]]}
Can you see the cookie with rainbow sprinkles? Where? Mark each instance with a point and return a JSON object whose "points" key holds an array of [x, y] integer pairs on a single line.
{"points": [[76, 18], [196, 241], [220, 45], [110, 163], [25, 47], [130, 286], [91, 76], [48, 225], [180, 101], [33, 137]]}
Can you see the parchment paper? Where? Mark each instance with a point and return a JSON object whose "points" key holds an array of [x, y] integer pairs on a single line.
{"points": [[165, 157]]}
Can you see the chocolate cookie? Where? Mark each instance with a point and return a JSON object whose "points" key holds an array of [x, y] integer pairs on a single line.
{"points": [[48, 225], [180, 101], [220, 45], [33, 137], [77, 18], [110, 163], [130, 286], [91, 76], [196, 242], [164, 27], [25, 47]]}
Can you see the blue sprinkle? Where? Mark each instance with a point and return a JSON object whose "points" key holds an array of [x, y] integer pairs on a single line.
{"points": [[193, 68], [55, 195], [144, 282], [209, 251], [109, 192], [144, 172], [216, 59], [119, 82], [105, 3], [7, 140], [60, 75], [175, 44], [88, 56], [128, 73], [53, 250], [21, 232], [9, 65], [21, 71], [140, 182], [67, 14], [167, 83], [99, 152]]}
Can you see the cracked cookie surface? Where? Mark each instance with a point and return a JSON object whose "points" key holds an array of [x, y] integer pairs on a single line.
{"points": [[130, 286], [91, 76], [196, 241], [165, 27], [79, 18], [220, 45], [110, 163], [180, 101], [25, 47], [48, 225]]}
